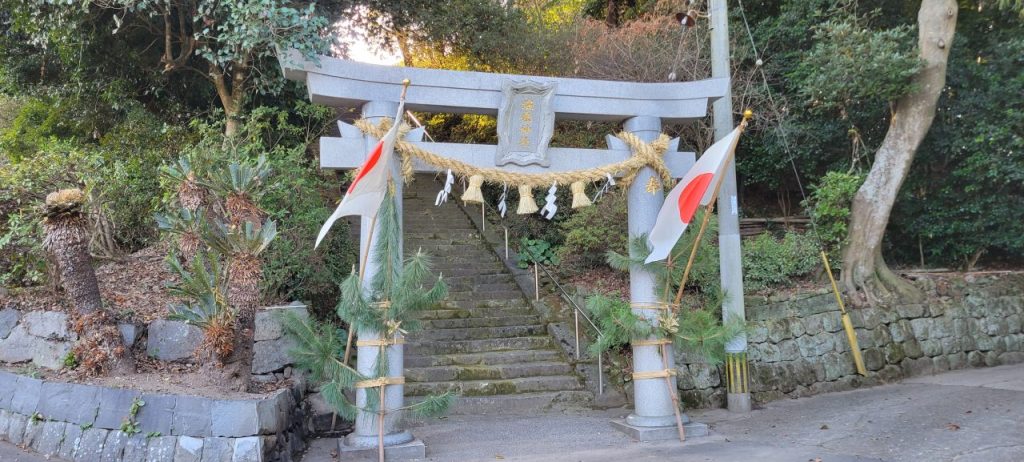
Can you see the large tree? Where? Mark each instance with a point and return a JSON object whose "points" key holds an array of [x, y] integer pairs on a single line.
{"points": [[866, 276]]}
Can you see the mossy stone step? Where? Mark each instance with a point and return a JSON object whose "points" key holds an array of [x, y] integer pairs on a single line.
{"points": [[460, 323], [478, 333], [495, 387], [487, 357], [486, 372], [472, 346], [519, 404]]}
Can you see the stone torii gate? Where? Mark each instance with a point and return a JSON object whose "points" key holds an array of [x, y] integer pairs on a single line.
{"points": [[642, 108]]}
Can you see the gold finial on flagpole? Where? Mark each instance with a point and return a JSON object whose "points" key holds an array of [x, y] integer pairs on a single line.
{"points": [[747, 115]]}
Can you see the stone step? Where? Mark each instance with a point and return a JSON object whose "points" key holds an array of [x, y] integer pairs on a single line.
{"points": [[486, 372], [519, 404], [477, 333], [472, 346], [469, 295], [461, 323], [486, 357], [495, 387], [450, 309], [457, 286]]}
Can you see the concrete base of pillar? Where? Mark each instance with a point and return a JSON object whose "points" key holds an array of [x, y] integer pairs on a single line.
{"points": [[692, 429], [410, 450], [738, 402]]}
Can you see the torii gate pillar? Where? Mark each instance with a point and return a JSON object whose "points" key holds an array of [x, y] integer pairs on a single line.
{"points": [[653, 417]]}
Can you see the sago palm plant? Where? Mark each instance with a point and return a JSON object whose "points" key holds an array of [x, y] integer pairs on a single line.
{"points": [[241, 185], [203, 291], [67, 239], [192, 194], [187, 227]]}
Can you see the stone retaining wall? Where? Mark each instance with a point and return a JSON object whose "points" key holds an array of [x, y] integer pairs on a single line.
{"points": [[798, 347], [83, 423]]}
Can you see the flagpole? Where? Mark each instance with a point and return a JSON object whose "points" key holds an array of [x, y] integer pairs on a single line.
{"points": [[369, 245], [707, 212]]}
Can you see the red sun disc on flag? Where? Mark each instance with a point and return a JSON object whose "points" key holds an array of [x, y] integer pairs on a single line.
{"points": [[690, 198], [368, 166]]}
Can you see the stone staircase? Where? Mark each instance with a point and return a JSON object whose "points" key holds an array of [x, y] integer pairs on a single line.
{"points": [[485, 342]]}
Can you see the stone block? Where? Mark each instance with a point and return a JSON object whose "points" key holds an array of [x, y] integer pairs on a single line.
{"points": [[114, 404], [984, 342], [1013, 323], [235, 418], [5, 423], [189, 449], [910, 311], [704, 376], [992, 358], [976, 359], [770, 353], [779, 330], [51, 325], [880, 337], [813, 324], [931, 347], [273, 412], [192, 416], [69, 402], [48, 441], [912, 348], [90, 448], [161, 449], [271, 355], [950, 345], [217, 450], [248, 449], [113, 447], [72, 438], [941, 327], [8, 319], [157, 414], [8, 384], [900, 330], [894, 353], [837, 365], [957, 360], [135, 449], [915, 367], [758, 333], [1011, 357], [16, 428], [268, 321], [874, 359], [921, 327], [172, 340], [33, 429], [940, 364], [26, 395], [890, 373], [130, 333], [788, 350], [866, 338], [19, 346]]}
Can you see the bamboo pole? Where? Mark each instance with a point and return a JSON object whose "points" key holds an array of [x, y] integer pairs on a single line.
{"points": [[672, 394], [362, 271], [851, 335]]}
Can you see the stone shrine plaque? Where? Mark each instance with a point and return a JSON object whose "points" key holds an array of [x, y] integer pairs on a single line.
{"points": [[526, 121]]}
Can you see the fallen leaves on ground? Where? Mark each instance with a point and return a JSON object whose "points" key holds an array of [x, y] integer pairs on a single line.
{"points": [[952, 427]]}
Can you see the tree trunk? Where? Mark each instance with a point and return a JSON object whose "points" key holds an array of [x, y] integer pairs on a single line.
{"points": [[230, 95], [866, 277]]}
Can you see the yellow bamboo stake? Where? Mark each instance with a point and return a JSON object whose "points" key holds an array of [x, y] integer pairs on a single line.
{"points": [[851, 335]]}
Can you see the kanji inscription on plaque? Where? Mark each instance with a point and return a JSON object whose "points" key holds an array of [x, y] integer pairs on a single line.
{"points": [[526, 121]]}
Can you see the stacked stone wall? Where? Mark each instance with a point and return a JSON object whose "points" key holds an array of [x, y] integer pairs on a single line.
{"points": [[797, 346]]}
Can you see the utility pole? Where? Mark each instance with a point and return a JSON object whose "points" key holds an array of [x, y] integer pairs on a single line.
{"points": [[737, 378]]}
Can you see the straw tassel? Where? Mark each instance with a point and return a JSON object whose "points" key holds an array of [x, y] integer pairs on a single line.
{"points": [[526, 202], [473, 193], [579, 195]]}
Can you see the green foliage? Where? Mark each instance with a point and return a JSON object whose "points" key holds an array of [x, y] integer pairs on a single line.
{"points": [[829, 207], [70, 361], [851, 64], [202, 290], [129, 426], [535, 251], [962, 203], [617, 322], [591, 232], [245, 239], [769, 262], [54, 142]]}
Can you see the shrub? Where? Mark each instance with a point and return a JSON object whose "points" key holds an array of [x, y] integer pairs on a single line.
{"points": [[535, 251], [591, 232], [770, 263], [829, 207]]}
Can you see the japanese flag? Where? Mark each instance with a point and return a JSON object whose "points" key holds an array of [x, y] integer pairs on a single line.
{"points": [[694, 190], [367, 191]]}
